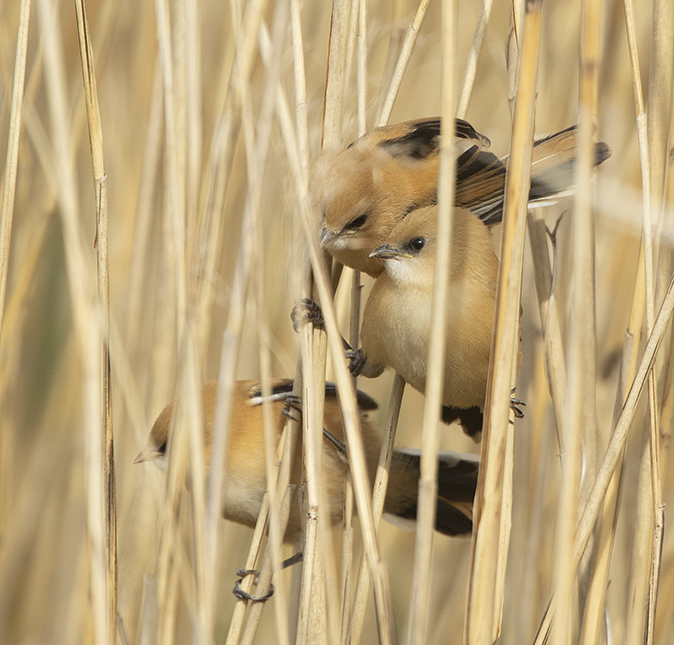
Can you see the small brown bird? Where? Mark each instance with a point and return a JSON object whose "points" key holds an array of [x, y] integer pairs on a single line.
{"points": [[397, 315], [367, 189], [245, 478]]}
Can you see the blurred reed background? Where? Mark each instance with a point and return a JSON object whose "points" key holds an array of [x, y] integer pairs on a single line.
{"points": [[204, 187]]}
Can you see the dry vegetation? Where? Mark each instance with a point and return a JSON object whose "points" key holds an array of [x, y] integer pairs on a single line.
{"points": [[211, 113]]}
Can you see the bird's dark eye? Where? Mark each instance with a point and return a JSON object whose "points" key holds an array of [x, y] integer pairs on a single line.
{"points": [[358, 222], [417, 243], [162, 449]]}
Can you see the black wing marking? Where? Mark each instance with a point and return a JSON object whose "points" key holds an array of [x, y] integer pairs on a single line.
{"points": [[420, 142], [285, 386], [423, 138]]}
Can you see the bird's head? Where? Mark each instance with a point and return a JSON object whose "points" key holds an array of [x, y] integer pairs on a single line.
{"points": [[364, 191], [409, 253], [155, 449]]}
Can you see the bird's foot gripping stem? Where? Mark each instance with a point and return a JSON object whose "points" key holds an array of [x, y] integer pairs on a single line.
{"points": [[306, 311], [356, 360], [243, 573], [244, 595], [514, 405]]}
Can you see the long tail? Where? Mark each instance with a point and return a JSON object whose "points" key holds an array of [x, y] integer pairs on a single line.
{"points": [[457, 481], [552, 173]]}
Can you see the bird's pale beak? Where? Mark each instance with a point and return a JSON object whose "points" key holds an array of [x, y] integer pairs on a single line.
{"points": [[388, 252], [146, 454], [327, 236]]}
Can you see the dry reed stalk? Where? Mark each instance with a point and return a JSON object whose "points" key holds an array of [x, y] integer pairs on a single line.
{"points": [[236, 624], [660, 95], [313, 618], [661, 91], [335, 81], [579, 420], [85, 313], [332, 591], [513, 50], [540, 449], [401, 65], [175, 165], [361, 73], [594, 611], [101, 245], [276, 515], [265, 575], [593, 614], [655, 492], [428, 485], [327, 581], [6, 218], [149, 612], [100, 43], [482, 615], [359, 17], [12, 159], [614, 450], [667, 410], [148, 180], [347, 528], [193, 117], [505, 525], [171, 59], [346, 574], [352, 28], [635, 606], [218, 172], [658, 517], [545, 279], [168, 561], [378, 496], [300, 85], [190, 388], [597, 583], [471, 64], [296, 146], [281, 477], [226, 385], [174, 238], [312, 626]]}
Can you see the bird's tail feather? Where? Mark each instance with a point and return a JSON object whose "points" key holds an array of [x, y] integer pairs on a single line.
{"points": [[552, 174], [457, 481]]}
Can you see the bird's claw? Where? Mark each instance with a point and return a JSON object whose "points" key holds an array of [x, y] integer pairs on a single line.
{"points": [[519, 414], [306, 311], [356, 360], [291, 402], [287, 413], [244, 595]]}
